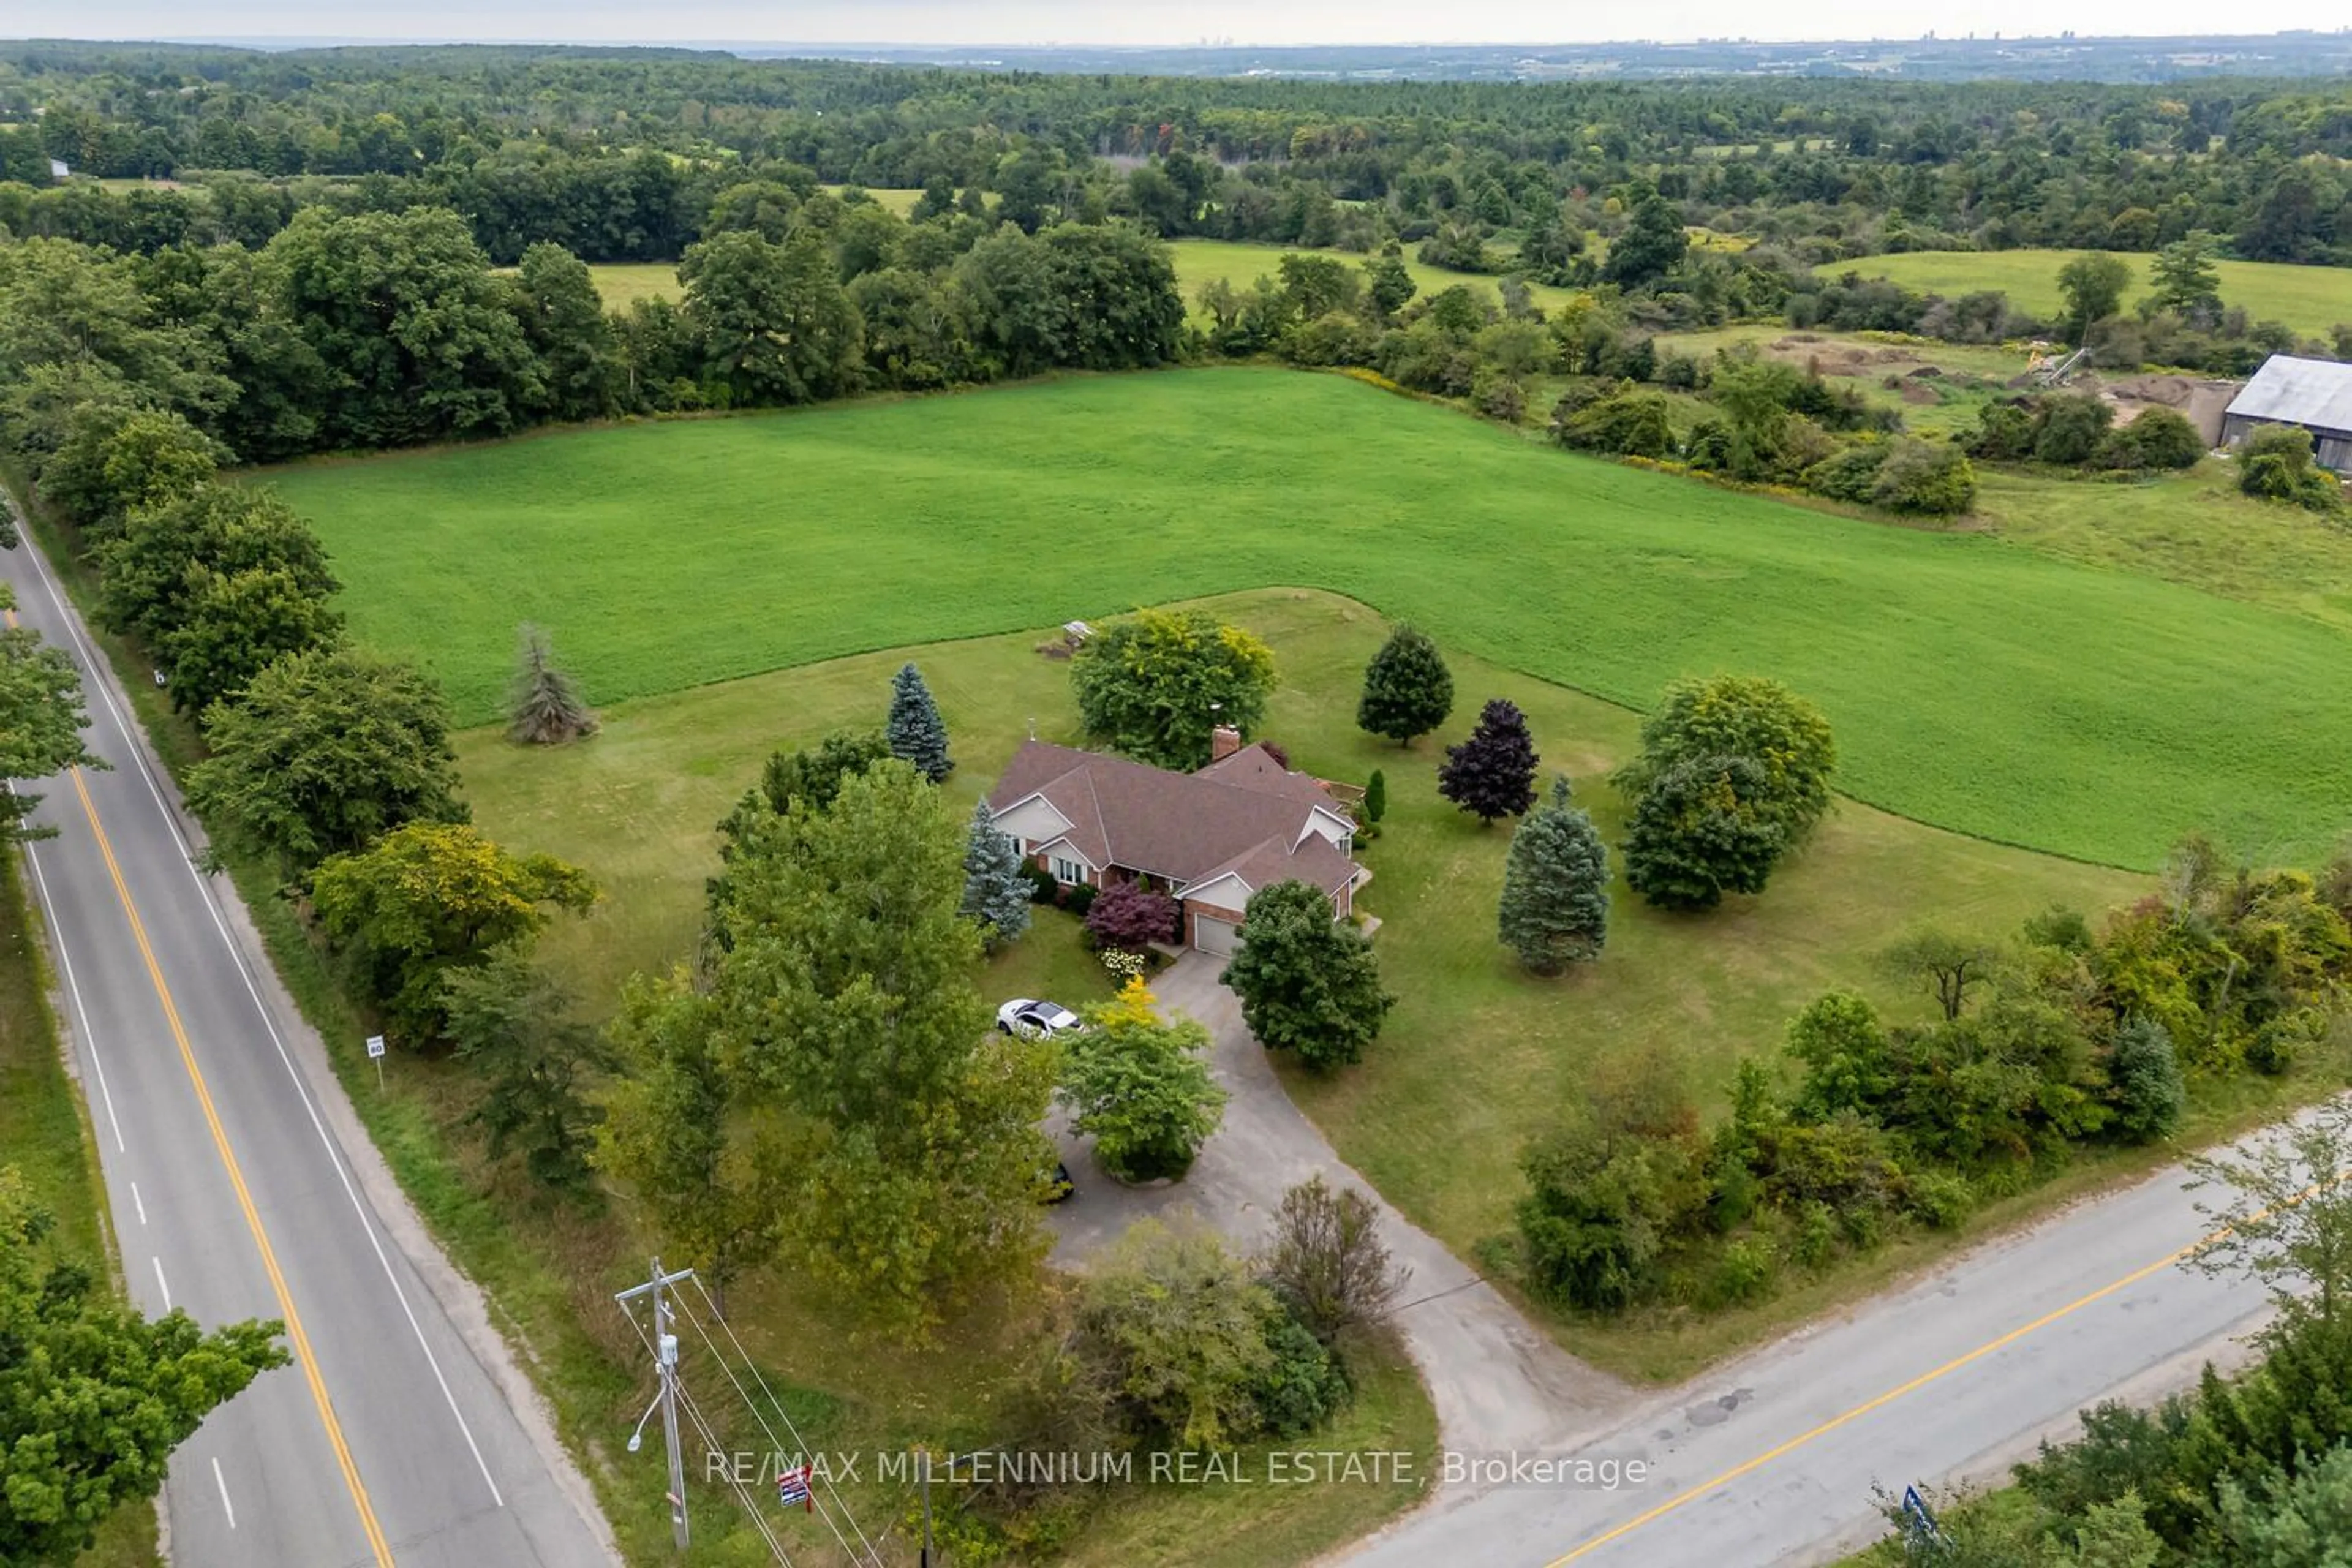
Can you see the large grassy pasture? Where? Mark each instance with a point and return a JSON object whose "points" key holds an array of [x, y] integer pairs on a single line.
{"points": [[1974, 684], [1201, 261], [2311, 300]]}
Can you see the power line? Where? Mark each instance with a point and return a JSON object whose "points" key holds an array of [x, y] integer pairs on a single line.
{"points": [[675, 1396], [799, 1443], [819, 1508]]}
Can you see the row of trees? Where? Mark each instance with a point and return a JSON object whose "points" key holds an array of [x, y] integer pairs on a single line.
{"points": [[2062, 1039], [127, 372], [1831, 169]]}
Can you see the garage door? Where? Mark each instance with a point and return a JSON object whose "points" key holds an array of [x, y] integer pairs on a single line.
{"points": [[1211, 934]]}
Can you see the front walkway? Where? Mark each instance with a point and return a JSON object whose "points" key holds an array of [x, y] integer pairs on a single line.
{"points": [[1497, 1382]]}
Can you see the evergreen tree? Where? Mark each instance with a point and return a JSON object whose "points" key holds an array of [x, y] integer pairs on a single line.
{"points": [[914, 729], [2145, 1070], [996, 893], [1555, 906], [545, 708], [1376, 796], [1407, 690], [1493, 773]]}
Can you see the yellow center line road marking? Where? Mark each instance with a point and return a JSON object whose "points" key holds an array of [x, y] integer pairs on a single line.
{"points": [[1892, 1394], [294, 1332]]}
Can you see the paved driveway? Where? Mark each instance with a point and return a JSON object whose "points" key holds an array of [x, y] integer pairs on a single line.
{"points": [[1497, 1382]]}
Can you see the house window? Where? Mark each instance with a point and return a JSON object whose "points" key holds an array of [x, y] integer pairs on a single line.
{"points": [[1068, 871]]}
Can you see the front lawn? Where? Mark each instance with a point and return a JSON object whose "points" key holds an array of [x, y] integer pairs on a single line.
{"points": [[1477, 1057]]}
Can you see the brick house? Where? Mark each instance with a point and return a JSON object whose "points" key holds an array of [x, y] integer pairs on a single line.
{"points": [[1209, 839]]}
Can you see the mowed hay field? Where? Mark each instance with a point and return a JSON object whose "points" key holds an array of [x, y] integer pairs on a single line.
{"points": [[1974, 683], [2310, 300]]}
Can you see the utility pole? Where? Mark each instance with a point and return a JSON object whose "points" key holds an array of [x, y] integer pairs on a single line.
{"points": [[665, 1370]]}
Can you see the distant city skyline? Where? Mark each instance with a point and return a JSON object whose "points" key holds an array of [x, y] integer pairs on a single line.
{"points": [[1240, 22]]}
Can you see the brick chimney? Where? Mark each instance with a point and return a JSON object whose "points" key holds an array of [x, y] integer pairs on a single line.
{"points": [[1223, 741]]}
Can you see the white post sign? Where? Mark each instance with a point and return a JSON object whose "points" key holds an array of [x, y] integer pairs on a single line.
{"points": [[375, 1055]]}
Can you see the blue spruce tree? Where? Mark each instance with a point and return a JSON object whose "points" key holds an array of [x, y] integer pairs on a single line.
{"points": [[995, 893], [914, 730], [1555, 906]]}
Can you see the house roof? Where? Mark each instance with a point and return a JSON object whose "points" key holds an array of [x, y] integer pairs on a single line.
{"points": [[2312, 391], [1239, 816]]}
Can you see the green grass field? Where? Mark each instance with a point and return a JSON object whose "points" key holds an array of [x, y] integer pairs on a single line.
{"points": [[623, 283], [1199, 261], [1974, 684], [2311, 300], [1477, 1057]]}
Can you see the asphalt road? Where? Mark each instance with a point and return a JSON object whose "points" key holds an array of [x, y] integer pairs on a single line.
{"points": [[242, 1186], [1772, 1459]]}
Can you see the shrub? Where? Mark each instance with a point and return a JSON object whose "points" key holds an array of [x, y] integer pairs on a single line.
{"points": [[1938, 1199], [1326, 1260], [2004, 433], [1376, 796], [1605, 1199], [2274, 464], [2069, 426], [2157, 438], [1927, 478], [1303, 1385], [1172, 1329], [1743, 1273], [1043, 888], [1132, 917], [1078, 897], [1632, 424], [1850, 474]]}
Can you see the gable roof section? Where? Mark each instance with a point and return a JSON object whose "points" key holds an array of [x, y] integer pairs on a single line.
{"points": [[1183, 826], [2313, 391]]}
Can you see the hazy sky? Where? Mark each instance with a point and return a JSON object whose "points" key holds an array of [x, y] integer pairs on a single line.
{"points": [[1139, 21]]}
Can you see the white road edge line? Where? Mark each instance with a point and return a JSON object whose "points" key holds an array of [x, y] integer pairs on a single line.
{"points": [[98, 682], [73, 988], [160, 1283], [140, 1201], [221, 1481]]}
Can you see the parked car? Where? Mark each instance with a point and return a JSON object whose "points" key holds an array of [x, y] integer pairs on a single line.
{"points": [[1060, 1189], [1027, 1016]]}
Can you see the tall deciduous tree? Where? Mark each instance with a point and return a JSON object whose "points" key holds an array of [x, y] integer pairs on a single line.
{"points": [[1407, 690], [2288, 1220], [428, 897], [155, 571], [1491, 774], [544, 707], [906, 1128], [2093, 286], [93, 1398], [1327, 1262], [1747, 716], [416, 337], [914, 729], [712, 1185], [326, 751], [1306, 983], [1156, 685], [996, 893], [564, 321], [774, 324], [1139, 1088], [1701, 829], [514, 1027], [2184, 279], [1555, 906], [41, 721]]}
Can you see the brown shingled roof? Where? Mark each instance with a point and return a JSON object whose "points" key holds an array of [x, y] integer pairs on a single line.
{"points": [[1246, 813]]}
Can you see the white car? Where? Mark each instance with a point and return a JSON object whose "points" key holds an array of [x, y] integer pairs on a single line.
{"points": [[1026, 1015]]}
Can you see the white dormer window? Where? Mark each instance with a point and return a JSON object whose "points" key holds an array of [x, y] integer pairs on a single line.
{"points": [[1068, 872]]}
